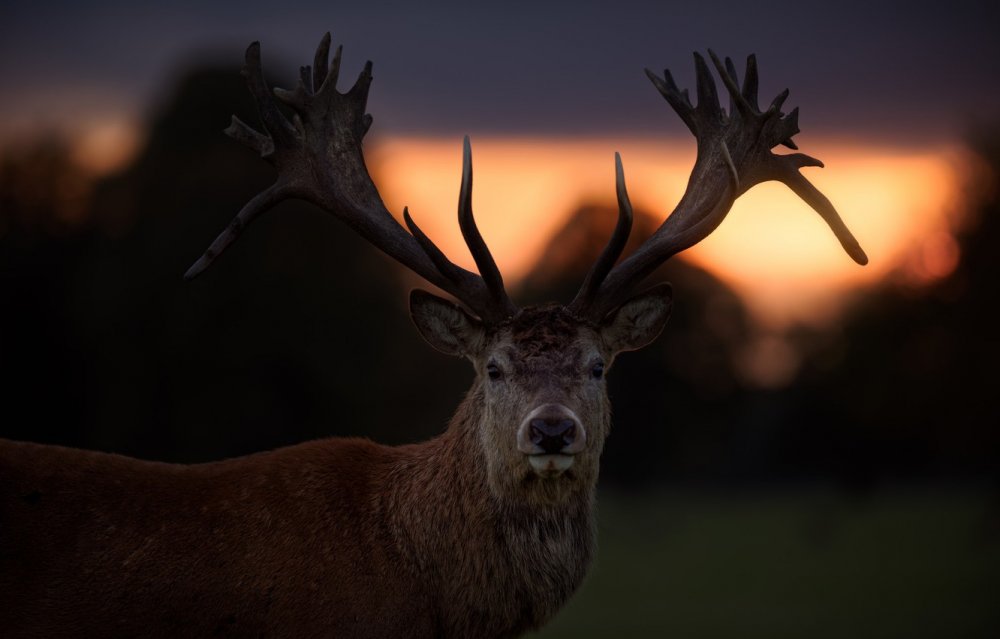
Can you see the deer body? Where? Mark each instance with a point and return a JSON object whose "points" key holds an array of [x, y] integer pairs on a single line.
{"points": [[288, 543], [110, 546], [484, 531]]}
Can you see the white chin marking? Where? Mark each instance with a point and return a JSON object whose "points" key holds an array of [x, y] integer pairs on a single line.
{"points": [[550, 465]]}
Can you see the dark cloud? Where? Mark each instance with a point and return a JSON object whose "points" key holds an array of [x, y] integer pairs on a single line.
{"points": [[897, 71]]}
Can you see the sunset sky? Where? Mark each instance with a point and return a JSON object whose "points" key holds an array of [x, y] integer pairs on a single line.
{"points": [[887, 92]]}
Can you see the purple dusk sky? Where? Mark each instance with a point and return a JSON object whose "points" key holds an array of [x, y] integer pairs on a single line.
{"points": [[895, 72]]}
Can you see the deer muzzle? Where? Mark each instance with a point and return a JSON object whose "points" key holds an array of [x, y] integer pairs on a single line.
{"points": [[550, 435]]}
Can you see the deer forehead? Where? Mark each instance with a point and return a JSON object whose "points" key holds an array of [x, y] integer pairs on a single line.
{"points": [[546, 339]]}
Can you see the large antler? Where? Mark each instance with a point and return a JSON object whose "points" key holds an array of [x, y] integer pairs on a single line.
{"points": [[319, 159], [734, 154]]}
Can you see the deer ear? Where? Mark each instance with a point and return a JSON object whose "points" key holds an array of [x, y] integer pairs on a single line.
{"points": [[445, 325], [638, 321]]}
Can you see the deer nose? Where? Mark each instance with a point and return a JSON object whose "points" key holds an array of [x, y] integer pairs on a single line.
{"points": [[552, 434], [551, 429]]}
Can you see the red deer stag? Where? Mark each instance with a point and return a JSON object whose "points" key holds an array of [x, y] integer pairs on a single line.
{"points": [[484, 531]]}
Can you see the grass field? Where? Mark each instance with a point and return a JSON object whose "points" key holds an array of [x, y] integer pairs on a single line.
{"points": [[908, 563]]}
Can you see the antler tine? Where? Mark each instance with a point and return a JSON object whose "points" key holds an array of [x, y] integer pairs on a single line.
{"points": [[728, 75], [259, 204], [802, 187], [616, 243], [777, 103], [678, 100], [274, 122], [480, 252], [441, 261], [734, 154], [708, 95], [731, 70], [242, 132], [750, 82], [320, 63], [319, 159]]}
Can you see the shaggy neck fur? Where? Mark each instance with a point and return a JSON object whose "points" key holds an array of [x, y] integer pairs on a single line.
{"points": [[502, 563]]}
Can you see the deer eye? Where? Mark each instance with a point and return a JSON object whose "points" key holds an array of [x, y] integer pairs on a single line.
{"points": [[494, 371], [597, 372]]}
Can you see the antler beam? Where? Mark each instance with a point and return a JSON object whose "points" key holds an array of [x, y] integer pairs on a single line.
{"points": [[319, 159], [734, 154]]}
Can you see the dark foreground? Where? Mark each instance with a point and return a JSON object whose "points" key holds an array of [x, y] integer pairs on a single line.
{"points": [[810, 563]]}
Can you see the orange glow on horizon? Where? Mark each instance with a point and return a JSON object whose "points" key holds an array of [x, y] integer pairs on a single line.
{"points": [[772, 249], [107, 146]]}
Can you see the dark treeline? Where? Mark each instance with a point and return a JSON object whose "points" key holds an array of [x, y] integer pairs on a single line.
{"points": [[301, 331]]}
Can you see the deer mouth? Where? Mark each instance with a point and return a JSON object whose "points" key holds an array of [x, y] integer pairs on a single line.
{"points": [[550, 464]]}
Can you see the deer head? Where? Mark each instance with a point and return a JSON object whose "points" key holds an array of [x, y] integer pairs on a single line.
{"points": [[541, 410], [540, 385]]}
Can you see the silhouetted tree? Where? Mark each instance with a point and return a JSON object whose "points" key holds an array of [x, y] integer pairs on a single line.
{"points": [[299, 332]]}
